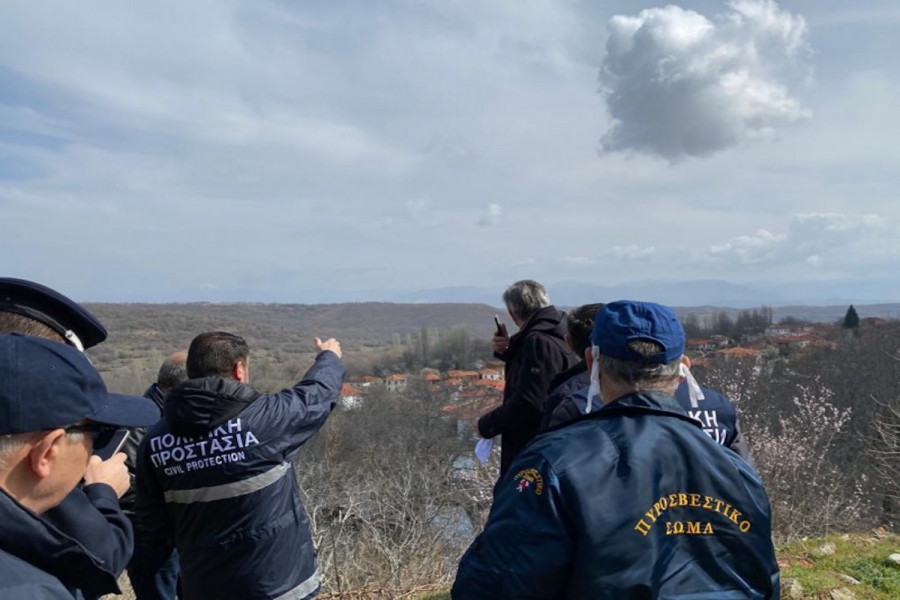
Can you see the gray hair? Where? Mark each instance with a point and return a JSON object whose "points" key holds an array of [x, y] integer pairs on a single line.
{"points": [[9, 444], [525, 297], [172, 372], [641, 376]]}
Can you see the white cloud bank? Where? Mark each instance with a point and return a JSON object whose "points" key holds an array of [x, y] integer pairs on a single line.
{"points": [[811, 238], [679, 84]]}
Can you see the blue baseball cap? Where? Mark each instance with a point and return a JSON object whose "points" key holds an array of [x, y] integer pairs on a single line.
{"points": [[63, 315], [46, 385], [619, 322]]}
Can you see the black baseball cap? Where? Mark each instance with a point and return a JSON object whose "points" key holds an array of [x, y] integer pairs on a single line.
{"points": [[65, 316], [46, 385]]}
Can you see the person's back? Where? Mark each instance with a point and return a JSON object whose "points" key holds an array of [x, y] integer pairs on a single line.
{"points": [[216, 475], [670, 547], [630, 502]]}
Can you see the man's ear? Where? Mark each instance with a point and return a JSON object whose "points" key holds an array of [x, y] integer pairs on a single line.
{"points": [[240, 371], [44, 453], [686, 361], [588, 358]]}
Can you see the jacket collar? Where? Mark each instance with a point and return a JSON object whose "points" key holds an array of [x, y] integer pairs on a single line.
{"points": [[26, 536], [200, 405], [547, 320], [644, 402]]}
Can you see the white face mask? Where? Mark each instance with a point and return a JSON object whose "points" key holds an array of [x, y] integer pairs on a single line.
{"points": [[594, 390], [695, 393]]}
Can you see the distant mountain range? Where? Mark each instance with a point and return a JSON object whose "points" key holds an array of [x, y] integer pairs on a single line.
{"points": [[709, 292]]}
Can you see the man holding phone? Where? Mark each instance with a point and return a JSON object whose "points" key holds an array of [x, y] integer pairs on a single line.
{"points": [[90, 513], [533, 357]]}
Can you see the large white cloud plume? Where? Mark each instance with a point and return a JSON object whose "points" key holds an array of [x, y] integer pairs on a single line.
{"points": [[678, 84]]}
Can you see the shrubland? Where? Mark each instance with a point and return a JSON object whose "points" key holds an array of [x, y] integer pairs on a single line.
{"points": [[395, 496]]}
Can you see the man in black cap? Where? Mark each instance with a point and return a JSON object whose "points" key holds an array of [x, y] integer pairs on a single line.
{"points": [[54, 408], [89, 514]]}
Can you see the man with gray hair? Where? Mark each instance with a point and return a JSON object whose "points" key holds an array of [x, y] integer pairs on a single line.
{"points": [[630, 502], [153, 576], [54, 409], [90, 513], [533, 357]]}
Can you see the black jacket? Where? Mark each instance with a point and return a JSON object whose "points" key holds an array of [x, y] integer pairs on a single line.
{"points": [[536, 354], [215, 478], [131, 445]]}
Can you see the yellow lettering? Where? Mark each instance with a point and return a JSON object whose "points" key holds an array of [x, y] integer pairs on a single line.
{"points": [[649, 515], [673, 499], [719, 504], [728, 509], [695, 500], [744, 526], [642, 527], [707, 500], [708, 530], [668, 527], [678, 528], [656, 508], [682, 500], [693, 527], [663, 503], [735, 515]]}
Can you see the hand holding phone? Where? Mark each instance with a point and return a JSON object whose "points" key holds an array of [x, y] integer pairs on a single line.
{"points": [[500, 341], [115, 444]]}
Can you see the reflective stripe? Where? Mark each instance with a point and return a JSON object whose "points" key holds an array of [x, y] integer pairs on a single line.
{"points": [[228, 490], [304, 589]]}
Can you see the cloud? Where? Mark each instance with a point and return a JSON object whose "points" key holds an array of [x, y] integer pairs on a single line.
{"points": [[631, 252], [678, 84], [495, 211], [813, 239]]}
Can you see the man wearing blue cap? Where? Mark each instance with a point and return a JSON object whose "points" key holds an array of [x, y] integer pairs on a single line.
{"points": [[54, 408], [90, 514], [633, 501]]}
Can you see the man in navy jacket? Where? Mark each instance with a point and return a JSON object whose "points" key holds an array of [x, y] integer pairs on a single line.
{"points": [[215, 477], [54, 408], [90, 513], [633, 501]]}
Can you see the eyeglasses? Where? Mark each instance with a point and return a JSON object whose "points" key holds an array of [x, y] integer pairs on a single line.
{"points": [[100, 433]]}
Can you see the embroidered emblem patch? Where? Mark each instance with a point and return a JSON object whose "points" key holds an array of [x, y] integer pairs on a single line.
{"points": [[528, 479]]}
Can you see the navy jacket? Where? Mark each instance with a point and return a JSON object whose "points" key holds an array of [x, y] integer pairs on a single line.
{"points": [[569, 382], [536, 354], [632, 502], [215, 479], [717, 416], [38, 561]]}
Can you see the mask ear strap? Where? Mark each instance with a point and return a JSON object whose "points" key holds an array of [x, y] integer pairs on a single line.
{"points": [[594, 390], [73, 340], [695, 393]]}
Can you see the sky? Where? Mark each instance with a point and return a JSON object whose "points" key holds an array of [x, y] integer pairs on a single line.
{"points": [[278, 151]]}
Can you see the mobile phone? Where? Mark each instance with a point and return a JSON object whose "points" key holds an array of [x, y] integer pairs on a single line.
{"points": [[498, 324], [115, 444]]}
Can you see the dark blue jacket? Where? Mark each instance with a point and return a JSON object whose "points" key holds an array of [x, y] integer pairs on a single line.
{"points": [[630, 502], [215, 478], [38, 561], [565, 384], [717, 416]]}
